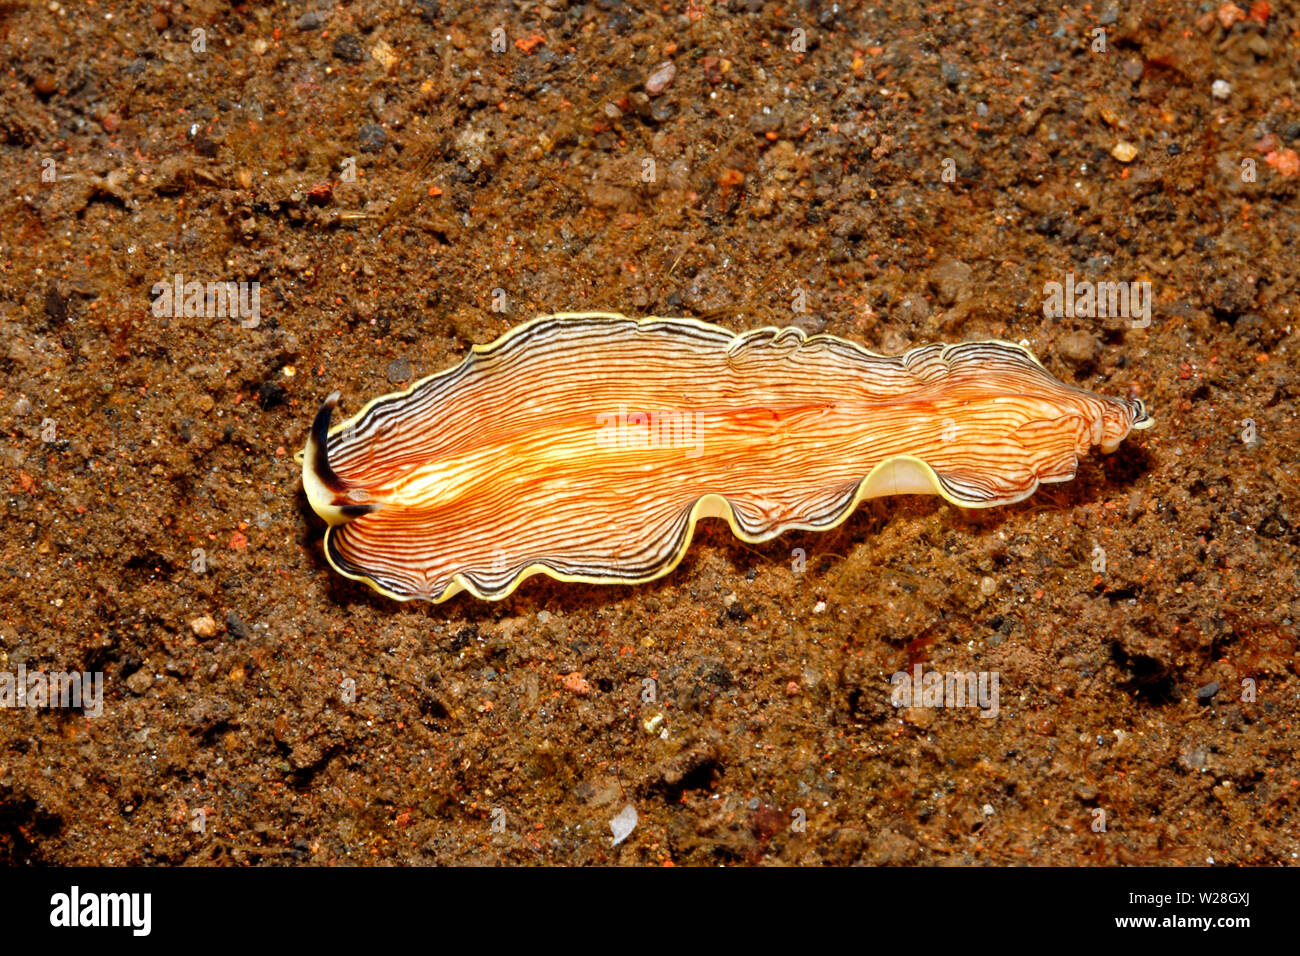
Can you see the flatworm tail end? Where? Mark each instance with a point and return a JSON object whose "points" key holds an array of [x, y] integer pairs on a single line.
{"points": [[330, 495]]}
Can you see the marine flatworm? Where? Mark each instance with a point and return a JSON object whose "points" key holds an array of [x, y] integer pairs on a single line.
{"points": [[586, 447]]}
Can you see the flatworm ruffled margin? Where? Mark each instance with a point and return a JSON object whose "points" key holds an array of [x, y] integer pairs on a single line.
{"points": [[899, 474]]}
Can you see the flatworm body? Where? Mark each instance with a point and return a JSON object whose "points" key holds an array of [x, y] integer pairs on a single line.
{"points": [[587, 446]]}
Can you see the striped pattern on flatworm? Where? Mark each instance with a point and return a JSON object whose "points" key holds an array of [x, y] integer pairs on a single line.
{"points": [[586, 447]]}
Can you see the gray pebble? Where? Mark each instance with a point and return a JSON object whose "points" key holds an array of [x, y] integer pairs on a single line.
{"points": [[347, 47], [311, 20], [372, 138], [951, 281], [236, 627], [1080, 349], [140, 681], [399, 370]]}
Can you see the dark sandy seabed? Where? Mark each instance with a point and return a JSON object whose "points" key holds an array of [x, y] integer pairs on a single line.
{"points": [[514, 732]]}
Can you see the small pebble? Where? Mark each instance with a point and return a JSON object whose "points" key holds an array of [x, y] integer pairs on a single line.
{"points": [[1220, 89], [347, 47], [1079, 348], [575, 683], [236, 627], [384, 54], [662, 111], [311, 20], [661, 78], [951, 281], [921, 717], [372, 138], [1205, 694], [321, 193], [204, 626], [140, 681], [1125, 152], [623, 824], [399, 370]]}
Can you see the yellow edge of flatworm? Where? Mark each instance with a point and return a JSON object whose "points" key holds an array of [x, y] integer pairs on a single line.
{"points": [[914, 473]]}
